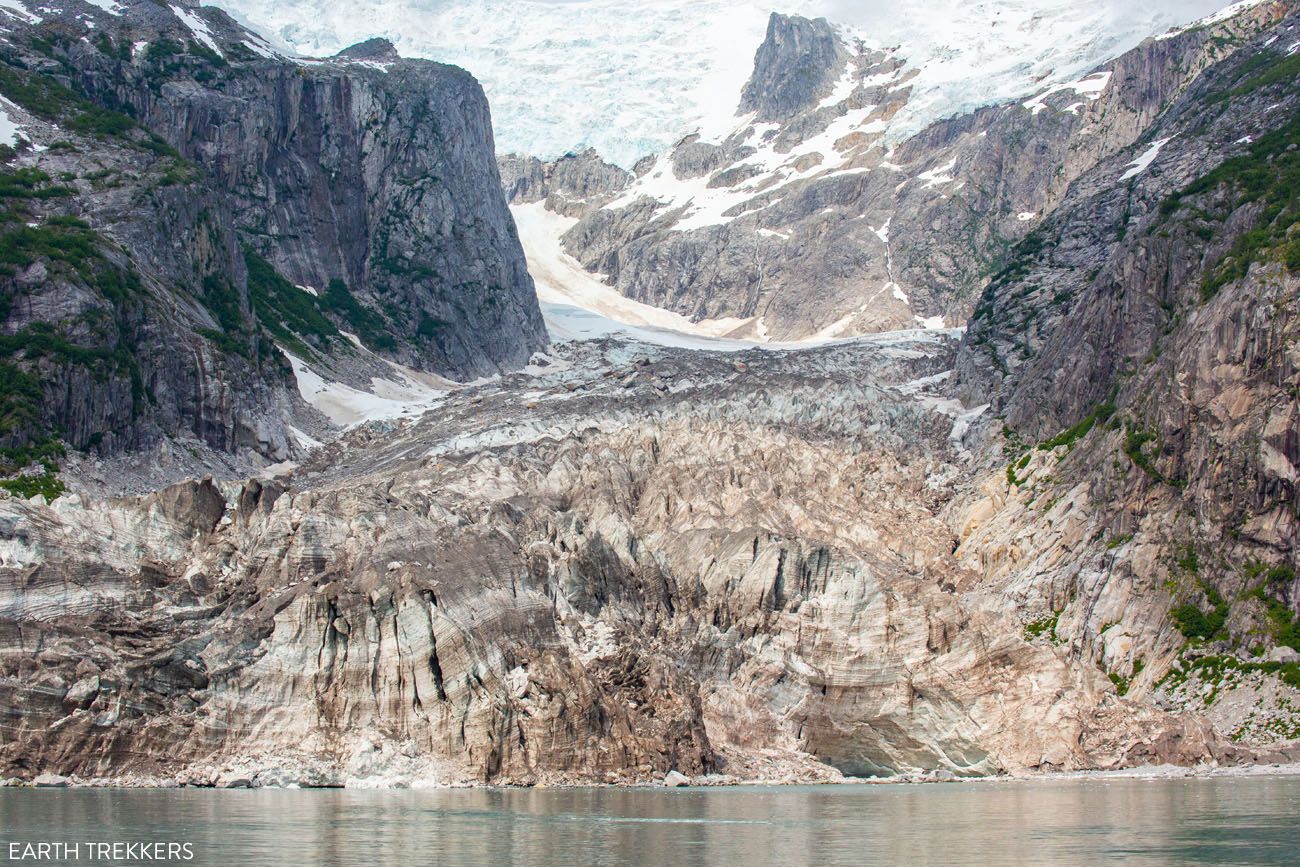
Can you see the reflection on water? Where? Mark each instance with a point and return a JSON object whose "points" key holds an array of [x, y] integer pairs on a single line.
{"points": [[1205, 821]]}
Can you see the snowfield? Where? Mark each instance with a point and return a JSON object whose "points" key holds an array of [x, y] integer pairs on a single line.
{"points": [[1142, 163], [630, 77]]}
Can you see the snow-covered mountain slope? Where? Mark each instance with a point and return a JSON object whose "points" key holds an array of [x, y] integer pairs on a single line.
{"points": [[817, 215], [630, 77]]}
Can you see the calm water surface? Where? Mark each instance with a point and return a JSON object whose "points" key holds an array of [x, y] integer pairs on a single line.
{"points": [[1186, 821]]}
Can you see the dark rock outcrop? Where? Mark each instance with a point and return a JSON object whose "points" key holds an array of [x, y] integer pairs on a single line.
{"points": [[571, 185], [216, 179], [798, 63]]}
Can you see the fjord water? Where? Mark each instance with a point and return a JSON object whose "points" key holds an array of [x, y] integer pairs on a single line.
{"points": [[1163, 821]]}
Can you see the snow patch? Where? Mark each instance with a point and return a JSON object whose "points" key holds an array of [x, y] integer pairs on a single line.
{"points": [[883, 232], [198, 27], [843, 88], [1090, 86], [1026, 216], [9, 128], [1142, 163], [257, 46], [305, 440], [18, 10], [107, 5], [403, 396], [938, 177]]}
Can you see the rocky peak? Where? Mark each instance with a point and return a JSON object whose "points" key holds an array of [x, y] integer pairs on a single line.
{"points": [[572, 185], [797, 63], [378, 50]]}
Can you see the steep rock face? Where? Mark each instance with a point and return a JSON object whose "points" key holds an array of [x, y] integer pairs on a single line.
{"points": [[570, 186], [119, 288], [218, 178], [893, 234], [798, 61], [1152, 319], [366, 169]]}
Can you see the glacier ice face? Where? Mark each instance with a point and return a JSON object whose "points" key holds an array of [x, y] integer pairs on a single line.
{"points": [[630, 77]]}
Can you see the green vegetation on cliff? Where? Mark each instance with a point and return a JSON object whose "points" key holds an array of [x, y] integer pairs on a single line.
{"points": [[1267, 178]]}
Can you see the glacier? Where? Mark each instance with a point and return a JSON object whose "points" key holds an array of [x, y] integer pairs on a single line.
{"points": [[631, 77]]}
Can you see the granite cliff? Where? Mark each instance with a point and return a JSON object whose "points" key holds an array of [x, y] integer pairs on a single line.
{"points": [[185, 205]]}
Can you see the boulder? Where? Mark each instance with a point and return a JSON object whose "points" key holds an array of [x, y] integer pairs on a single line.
{"points": [[1283, 655], [82, 693], [50, 781]]}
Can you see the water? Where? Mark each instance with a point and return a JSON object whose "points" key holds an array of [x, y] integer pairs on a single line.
{"points": [[1183, 821]]}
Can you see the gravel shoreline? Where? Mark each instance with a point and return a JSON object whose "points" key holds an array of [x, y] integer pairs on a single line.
{"points": [[1148, 772]]}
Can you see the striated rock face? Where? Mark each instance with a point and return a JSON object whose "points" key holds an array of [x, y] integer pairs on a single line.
{"points": [[813, 188], [187, 203]]}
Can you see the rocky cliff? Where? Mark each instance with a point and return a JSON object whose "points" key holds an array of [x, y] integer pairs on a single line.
{"points": [[184, 204], [1145, 336]]}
